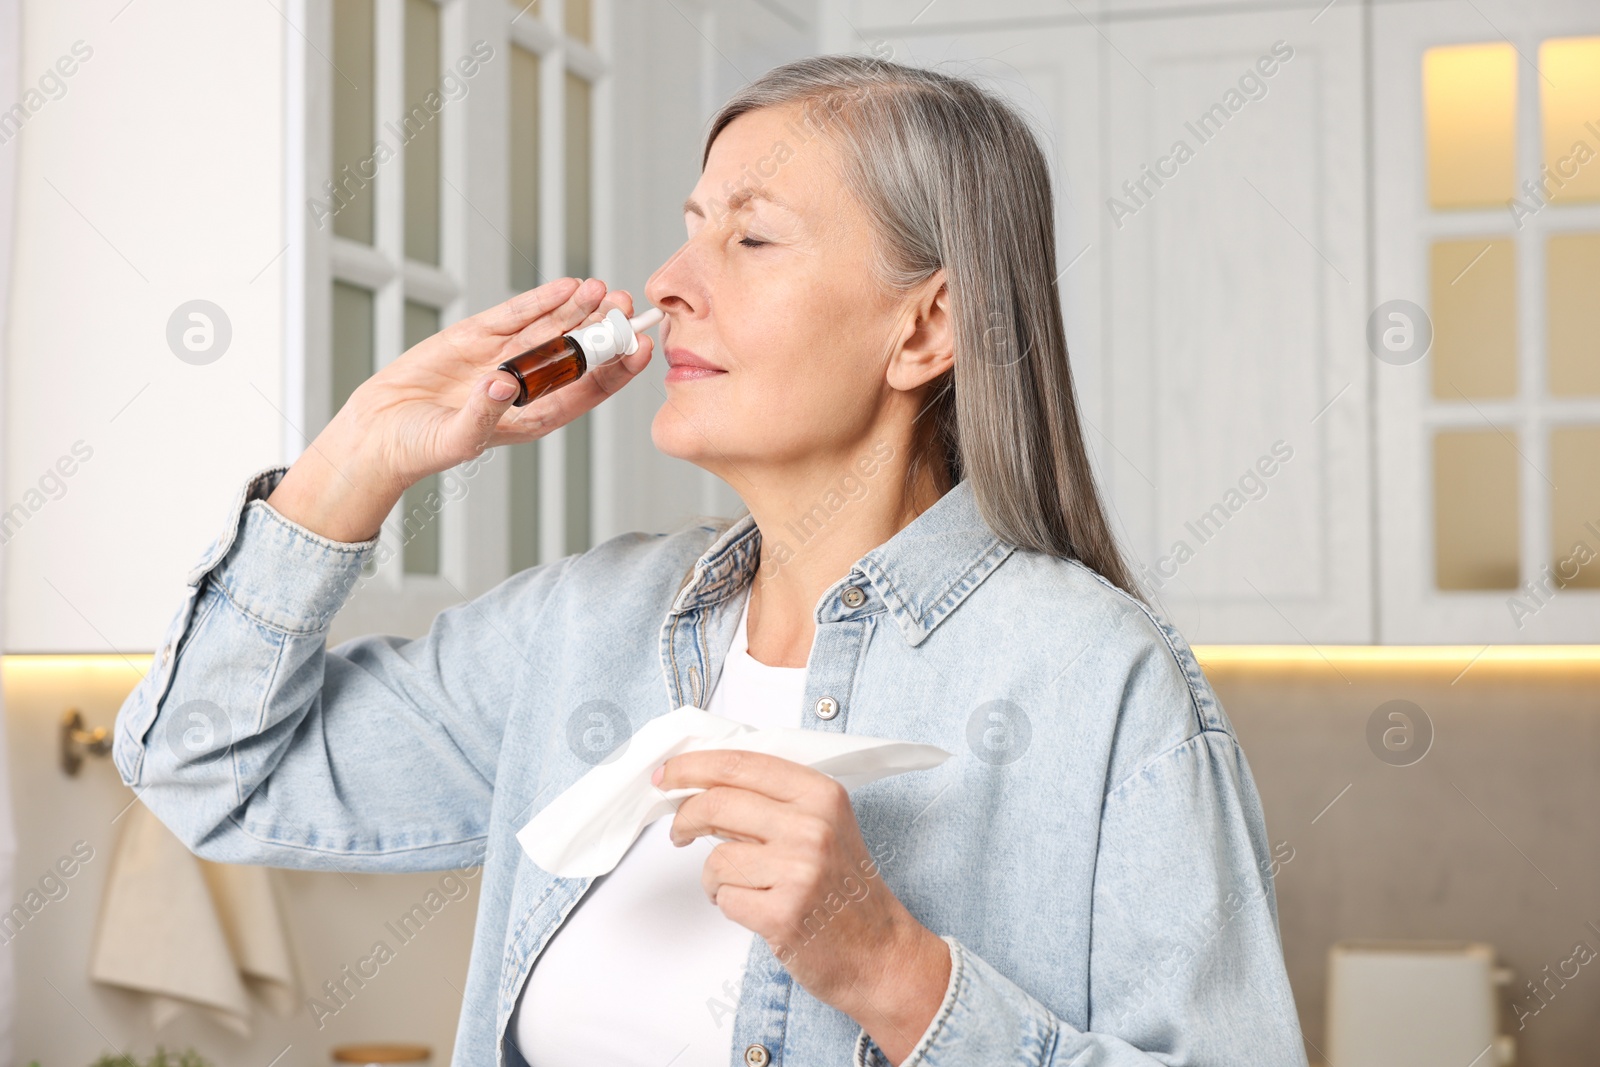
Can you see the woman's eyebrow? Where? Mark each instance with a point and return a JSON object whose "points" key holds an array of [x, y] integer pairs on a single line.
{"points": [[737, 201]]}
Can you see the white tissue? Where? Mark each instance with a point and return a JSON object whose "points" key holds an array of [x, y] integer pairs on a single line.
{"points": [[587, 829]]}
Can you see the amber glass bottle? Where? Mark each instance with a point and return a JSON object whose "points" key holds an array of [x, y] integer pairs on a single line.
{"points": [[563, 360], [559, 361]]}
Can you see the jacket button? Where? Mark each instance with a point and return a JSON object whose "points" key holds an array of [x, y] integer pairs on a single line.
{"points": [[854, 597], [827, 708], [756, 1055]]}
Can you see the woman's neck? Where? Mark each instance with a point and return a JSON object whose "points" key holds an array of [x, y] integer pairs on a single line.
{"points": [[810, 538]]}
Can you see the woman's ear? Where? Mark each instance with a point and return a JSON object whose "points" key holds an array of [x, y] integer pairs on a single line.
{"points": [[928, 349]]}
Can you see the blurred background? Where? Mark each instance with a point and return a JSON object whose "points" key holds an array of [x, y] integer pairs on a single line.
{"points": [[1331, 279]]}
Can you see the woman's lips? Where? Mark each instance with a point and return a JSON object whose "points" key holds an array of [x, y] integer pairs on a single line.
{"points": [[683, 366]]}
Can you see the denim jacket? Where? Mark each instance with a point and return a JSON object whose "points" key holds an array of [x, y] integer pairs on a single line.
{"points": [[1094, 853]]}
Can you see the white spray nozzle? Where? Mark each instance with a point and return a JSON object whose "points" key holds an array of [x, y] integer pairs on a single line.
{"points": [[616, 334]]}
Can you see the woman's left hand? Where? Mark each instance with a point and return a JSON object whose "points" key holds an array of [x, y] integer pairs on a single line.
{"points": [[795, 870]]}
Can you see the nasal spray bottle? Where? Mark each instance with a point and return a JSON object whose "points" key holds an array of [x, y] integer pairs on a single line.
{"points": [[563, 360]]}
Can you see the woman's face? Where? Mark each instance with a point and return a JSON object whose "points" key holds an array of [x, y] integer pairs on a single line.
{"points": [[774, 290]]}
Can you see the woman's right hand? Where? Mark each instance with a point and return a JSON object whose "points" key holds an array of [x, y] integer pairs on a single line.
{"points": [[443, 403]]}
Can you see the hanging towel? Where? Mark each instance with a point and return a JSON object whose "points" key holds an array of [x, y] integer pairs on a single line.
{"points": [[190, 934]]}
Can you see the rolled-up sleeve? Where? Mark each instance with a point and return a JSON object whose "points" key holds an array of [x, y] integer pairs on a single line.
{"points": [[256, 743], [1185, 969]]}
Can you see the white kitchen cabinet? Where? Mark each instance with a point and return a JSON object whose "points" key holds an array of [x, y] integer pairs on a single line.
{"points": [[1235, 242], [122, 455], [1489, 437], [153, 179], [1235, 306], [1215, 319], [646, 112]]}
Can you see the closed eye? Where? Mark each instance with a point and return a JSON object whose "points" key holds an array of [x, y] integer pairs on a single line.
{"points": [[748, 242]]}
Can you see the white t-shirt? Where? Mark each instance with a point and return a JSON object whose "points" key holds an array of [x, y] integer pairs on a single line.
{"points": [[646, 971]]}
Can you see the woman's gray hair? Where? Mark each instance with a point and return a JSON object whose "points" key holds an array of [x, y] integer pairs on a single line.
{"points": [[952, 176]]}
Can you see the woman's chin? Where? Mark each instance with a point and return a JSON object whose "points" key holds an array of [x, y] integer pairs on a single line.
{"points": [[673, 435]]}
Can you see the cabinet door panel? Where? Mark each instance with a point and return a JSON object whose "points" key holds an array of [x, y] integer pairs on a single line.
{"points": [[143, 366], [1232, 233]]}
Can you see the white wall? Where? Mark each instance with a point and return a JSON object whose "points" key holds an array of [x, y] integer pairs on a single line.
{"points": [[154, 179]]}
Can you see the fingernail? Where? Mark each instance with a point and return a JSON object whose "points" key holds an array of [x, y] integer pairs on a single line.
{"points": [[655, 777], [500, 389]]}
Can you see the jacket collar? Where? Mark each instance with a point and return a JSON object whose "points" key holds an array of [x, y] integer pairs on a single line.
{"points": [[920, 574]]}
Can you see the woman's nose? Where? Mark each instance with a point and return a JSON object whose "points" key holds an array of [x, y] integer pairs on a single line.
{"points": [[672, 286]]}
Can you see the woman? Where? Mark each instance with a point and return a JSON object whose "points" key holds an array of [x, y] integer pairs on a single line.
{"points": [[866, 343]]}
